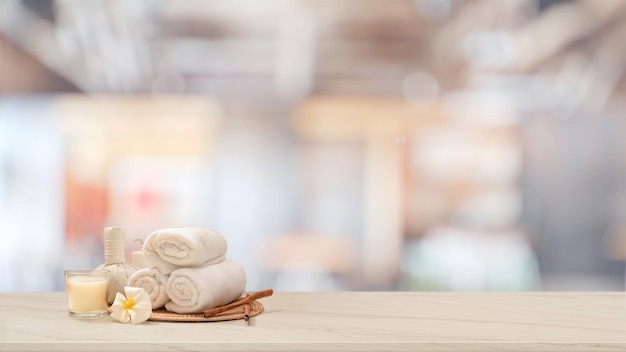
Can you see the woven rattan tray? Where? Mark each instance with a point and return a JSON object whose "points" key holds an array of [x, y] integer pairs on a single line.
{"points": [[234, 314]]}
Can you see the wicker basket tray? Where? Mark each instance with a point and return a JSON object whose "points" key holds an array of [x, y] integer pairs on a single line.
{"points": [[234, 314]]}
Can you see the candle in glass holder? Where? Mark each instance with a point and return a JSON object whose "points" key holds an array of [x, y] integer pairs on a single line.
{"points": [[87, 293]]}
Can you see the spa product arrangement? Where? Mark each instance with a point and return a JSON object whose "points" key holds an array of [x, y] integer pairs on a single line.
{"points": [[185, 273]]}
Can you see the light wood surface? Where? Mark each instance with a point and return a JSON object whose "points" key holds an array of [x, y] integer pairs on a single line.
{"points": [[348, 321]]}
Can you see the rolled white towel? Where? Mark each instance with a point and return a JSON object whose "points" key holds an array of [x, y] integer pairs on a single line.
{"points": [[153, 282], [193, 290], [173, 248]]}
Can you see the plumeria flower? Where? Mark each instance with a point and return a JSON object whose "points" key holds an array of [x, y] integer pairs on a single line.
{"points": [[133, 308]]}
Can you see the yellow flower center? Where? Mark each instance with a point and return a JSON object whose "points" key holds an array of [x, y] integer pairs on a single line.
{"points": [[129, 304]]}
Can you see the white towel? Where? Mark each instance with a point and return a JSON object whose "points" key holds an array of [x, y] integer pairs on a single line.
{"points": [[193, 290], [173, 248], [153, 282]]}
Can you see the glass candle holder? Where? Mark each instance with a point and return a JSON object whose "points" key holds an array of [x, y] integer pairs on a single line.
{"points": [[86, 293]]}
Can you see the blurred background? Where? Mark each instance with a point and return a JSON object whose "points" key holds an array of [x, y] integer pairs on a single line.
{"points": [[337, 145]]}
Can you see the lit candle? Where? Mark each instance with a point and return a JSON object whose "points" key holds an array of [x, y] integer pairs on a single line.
{"points": [[87, 292]]}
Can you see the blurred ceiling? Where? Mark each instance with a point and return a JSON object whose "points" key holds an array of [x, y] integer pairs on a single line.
{"points": [[301, 47]]}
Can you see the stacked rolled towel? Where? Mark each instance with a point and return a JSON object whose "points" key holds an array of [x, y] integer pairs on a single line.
{"points": [[173, 248], [153, 282], [192, 290], [190, 273]]}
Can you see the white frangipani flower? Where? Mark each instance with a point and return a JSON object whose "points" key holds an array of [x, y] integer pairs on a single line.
{"points": [[133, 308]]}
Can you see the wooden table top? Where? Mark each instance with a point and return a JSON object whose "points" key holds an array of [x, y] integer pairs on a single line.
{"points": [[340, 321]]}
